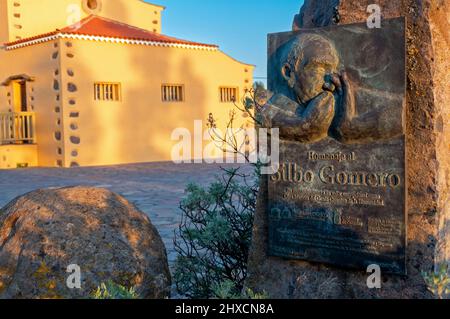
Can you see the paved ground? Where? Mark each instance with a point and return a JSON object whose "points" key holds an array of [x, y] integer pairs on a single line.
{"points": [[155, 188]]}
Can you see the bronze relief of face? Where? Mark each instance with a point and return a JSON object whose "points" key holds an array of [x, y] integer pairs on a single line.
{"points": [[307, 70]]}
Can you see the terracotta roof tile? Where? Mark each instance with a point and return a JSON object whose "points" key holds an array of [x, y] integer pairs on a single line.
{"points": [[103, 27]]}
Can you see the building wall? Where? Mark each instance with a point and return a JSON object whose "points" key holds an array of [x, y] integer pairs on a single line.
{"points": [[42, 62], [11, 156], [4, 27], [139, 128], [135, 12], [25, 18]]}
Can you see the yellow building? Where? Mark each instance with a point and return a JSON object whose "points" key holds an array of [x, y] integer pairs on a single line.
{"points": [[91, 82]]}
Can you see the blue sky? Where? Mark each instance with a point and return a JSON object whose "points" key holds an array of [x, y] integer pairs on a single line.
{"points": [[239, 27]]}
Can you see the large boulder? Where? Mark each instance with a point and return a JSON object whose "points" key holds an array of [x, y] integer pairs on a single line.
{"points": [[315, 13], [45, 231]]}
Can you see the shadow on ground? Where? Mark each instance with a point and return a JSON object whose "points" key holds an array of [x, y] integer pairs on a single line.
{"points": [[155, 188]]}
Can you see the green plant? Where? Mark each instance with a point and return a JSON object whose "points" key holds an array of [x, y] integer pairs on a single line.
{"points": [[250, 294], [438, 282], [111, 290], [226, 290], [214, 236]]}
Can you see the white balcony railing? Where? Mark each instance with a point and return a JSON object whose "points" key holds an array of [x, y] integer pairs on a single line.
{"points": [[17, 128]]}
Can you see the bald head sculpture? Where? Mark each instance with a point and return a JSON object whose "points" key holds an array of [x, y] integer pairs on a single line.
{"points": [[311, 60]]}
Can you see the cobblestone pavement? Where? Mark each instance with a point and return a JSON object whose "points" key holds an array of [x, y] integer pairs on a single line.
{"points": [[155, 188]]}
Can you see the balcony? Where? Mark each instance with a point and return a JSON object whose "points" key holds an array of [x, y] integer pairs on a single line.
{"points": [[17, 128]]}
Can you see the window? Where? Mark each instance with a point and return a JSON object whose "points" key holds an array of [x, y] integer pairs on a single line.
{"points": [[104, 91], [92, 6], [172, 93], [228, 94]]}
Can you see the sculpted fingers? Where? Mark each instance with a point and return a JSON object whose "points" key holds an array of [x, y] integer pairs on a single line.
{"points": [[333, 83], [335, 79], [329, 87], [344, 80]]}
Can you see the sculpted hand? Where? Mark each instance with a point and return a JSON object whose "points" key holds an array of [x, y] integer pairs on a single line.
{"points": [[266, 115], [347, 103], [343, 126], [310, 126], [333, 84]]}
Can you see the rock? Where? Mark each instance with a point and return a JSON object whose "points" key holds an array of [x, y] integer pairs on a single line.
{"points": [[316, 14], [45, 231], [428, 137]]}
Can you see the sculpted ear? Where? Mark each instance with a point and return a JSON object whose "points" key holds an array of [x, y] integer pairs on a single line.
{"points": [[286, 72]]}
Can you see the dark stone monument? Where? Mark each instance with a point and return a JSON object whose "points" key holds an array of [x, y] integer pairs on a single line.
{"points": [[339, 195], [320, 235]]}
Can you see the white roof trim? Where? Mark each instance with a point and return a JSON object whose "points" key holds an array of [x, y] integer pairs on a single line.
{"points": [[110, 40], [31, 42]]}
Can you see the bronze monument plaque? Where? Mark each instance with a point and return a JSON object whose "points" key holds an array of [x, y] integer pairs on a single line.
{"points": [[339, 196]]}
